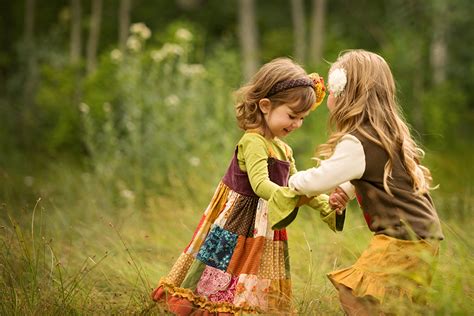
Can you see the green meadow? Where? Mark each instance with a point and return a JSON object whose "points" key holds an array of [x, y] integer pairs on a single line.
{"points": [[69, 248], [109, 156]]}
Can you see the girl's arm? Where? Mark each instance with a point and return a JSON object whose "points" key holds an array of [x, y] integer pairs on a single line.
{"points": [[347, 163], [253, 149]]}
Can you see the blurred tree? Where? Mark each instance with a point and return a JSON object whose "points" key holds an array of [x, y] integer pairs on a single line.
{"points": [[318, 15], [189, 4], [248, 37], [75, 39], [426, 44], [438, 49], [124, 23], [94, 33], [29, 48], [299, 30]]}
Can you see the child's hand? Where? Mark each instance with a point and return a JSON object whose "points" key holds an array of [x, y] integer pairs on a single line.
{"points": [[338, 200]]}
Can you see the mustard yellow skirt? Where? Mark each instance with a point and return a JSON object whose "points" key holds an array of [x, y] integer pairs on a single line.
{"points": [[390, 268]]}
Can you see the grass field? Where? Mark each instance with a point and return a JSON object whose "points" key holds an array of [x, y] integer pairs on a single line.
{"points": [[92, 255]]}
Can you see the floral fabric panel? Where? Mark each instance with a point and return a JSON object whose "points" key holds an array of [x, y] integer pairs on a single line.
{"points": [[180, 269], [251, 291], [262, 227], [225, 295], [224, 215], [218, 248], [217, 285]]}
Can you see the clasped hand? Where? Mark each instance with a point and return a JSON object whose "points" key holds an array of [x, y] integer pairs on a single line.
{"points": [[337, 200]]}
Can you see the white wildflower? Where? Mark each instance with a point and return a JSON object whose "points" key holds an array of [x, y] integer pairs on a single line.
{"points": [[194, 161], [191, 70], [127, 194], [116, 55], [28, 180], [107, 107], [141, 30], [184, 35], [84, 108], [337, 81], [134, 44], [172, 100], [165, 51], [172, 49], [157, 55]]}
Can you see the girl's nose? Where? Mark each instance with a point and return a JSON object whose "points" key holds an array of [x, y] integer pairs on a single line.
{"points": [[297, 123]]}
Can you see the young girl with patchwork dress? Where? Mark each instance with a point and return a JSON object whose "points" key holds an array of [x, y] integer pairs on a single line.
{"points": [[235, 263], [372, 156]]}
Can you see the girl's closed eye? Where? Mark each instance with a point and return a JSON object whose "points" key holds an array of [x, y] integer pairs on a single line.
{"points": [[292, 116]]}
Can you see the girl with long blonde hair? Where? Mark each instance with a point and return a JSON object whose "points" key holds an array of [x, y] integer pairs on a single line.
{"points": [[371, 155]]}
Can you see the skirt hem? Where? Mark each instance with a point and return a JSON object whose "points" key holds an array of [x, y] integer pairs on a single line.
{"points": [[175, 293]]}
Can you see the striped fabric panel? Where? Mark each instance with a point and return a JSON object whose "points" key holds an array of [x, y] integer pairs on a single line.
{"points": [[247, 256], [229, 206]]}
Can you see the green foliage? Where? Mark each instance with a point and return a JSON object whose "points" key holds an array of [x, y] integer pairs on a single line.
{"points": [[148, 136], [442, 124], [55, 116]]}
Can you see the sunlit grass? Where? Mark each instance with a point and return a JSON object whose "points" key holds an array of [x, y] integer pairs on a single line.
{"points": [[86, 256]]}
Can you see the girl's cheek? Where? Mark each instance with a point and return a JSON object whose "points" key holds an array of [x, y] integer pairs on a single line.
{"points": [[330, 102]]}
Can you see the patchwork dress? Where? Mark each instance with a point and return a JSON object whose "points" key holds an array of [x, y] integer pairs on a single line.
{"points": [[235, 262]]}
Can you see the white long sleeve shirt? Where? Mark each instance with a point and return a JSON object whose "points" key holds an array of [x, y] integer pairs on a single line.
{"points": [[347, 163]]}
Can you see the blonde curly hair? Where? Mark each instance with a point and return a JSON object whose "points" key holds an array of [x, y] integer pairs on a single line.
{"points": [[248, 113], [369, 99]]}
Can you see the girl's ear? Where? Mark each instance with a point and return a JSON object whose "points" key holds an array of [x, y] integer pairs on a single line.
{"points": [[265, 105]]}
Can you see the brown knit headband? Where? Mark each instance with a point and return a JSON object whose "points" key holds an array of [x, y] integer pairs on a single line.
{"points": [[288, 84]]}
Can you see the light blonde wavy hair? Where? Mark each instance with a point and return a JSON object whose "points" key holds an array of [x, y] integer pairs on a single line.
{"points": [[248, 113], [369, 99]]}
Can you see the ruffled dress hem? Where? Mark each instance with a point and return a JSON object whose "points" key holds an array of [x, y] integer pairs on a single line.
{"points": [[365, 283], [390, 269], [183, 301]]}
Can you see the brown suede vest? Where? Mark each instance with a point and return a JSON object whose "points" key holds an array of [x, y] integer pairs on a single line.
{"points": [[405, 215]]}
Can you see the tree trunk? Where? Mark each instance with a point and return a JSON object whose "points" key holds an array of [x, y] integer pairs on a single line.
{"points": [[299, 42], [317, 30], [124, 23], [189, 5], [94, 34], [29, 47], [417, 111], [248, 37], [75, 44], [438, 49]]}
